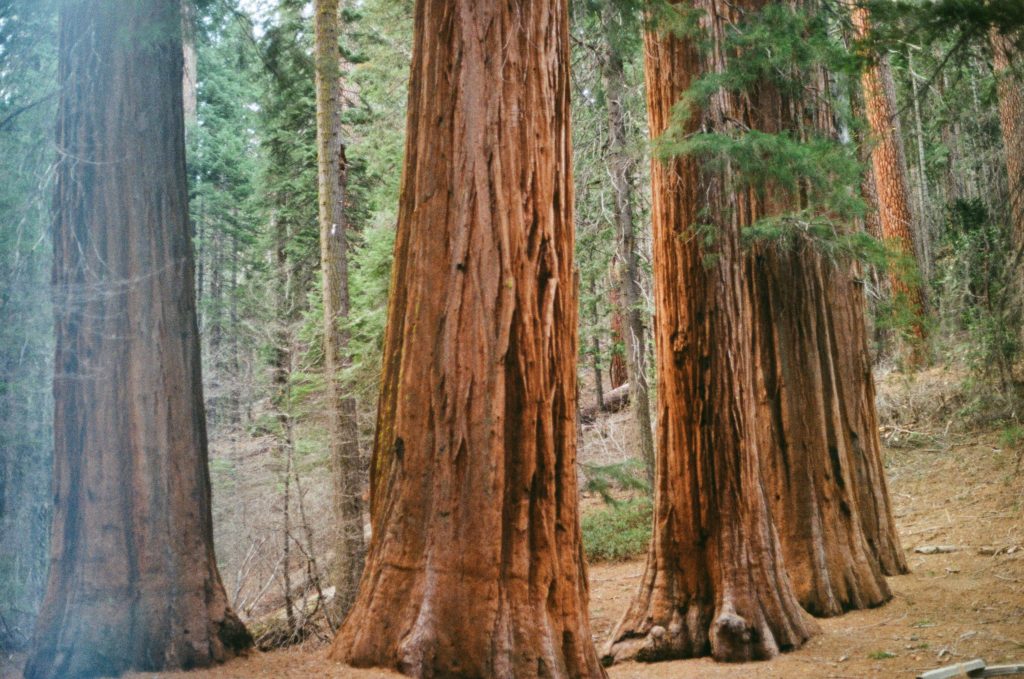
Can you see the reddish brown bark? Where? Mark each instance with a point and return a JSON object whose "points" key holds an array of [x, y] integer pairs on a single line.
{"points": [[617, 373], [1010, 89], [133, 581], [889, 165], [819, 429], [715, 581], [782, 423], [475, 568], [818, 425]]}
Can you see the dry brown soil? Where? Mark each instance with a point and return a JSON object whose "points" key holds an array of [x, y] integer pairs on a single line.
{"points": [[958, 491]]}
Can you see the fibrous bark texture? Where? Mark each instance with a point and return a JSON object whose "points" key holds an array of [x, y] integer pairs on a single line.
{"points": [[133, 582], [1010, 89], [715, 581], [617, 372], [766, 398], [817, 423], [822, 455], [349, 546], [889, 165], [475, 568]]}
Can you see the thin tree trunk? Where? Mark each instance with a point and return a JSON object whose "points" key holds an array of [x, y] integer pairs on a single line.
{"points": [[283, 357], [922, 170], [715, 581], [951, 139], [286, 572], [1010, 90], [133, 580], [476, 566], [350, 549], [596, 348], [890, 170], [622, 166]]}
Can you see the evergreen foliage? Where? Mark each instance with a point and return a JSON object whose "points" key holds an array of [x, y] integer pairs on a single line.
{"points": [[27, 109]]}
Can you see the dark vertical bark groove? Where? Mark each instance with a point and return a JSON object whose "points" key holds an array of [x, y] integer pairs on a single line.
{"points": [[475, 568], [715, 581], [133, 581]]}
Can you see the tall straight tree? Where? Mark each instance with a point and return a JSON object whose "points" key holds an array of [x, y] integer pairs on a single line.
{"points": [[476, 566], [889, 165], [133, 582], [621, 167], [1010, 90], [821, 454], [349, 547], [715, 581], [800, 444]]}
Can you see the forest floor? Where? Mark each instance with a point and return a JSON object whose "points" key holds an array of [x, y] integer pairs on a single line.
{"points": [[959, 490]]}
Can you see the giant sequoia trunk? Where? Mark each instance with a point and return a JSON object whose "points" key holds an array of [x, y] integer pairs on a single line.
{"points": [[821, 452], [783, 424], [133, 582], [715, 581], [819, 430], [349, 548], [1010, 89], [889, 164], [475, 568]]}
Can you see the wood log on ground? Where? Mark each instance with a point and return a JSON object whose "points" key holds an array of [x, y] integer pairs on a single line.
{"points": [[614, 401]]}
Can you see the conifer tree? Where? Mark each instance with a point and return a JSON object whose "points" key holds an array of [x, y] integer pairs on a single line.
{"points": [[133, 581], [344, 428], [889, 166], [765, 391], [475, 567]]}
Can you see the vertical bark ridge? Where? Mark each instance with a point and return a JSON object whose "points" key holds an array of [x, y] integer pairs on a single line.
{"points": [[475, 567], [133, 580], [715, 581]]}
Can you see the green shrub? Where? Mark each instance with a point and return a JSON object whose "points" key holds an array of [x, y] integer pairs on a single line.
{"points": [[619, 531]]}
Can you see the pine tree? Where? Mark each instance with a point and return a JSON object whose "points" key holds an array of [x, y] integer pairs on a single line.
{"points": [[344, 427], [889, 165]]}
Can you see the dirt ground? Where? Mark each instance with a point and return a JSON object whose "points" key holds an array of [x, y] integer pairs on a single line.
{"points": [[951, 491], [952, 607]]}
